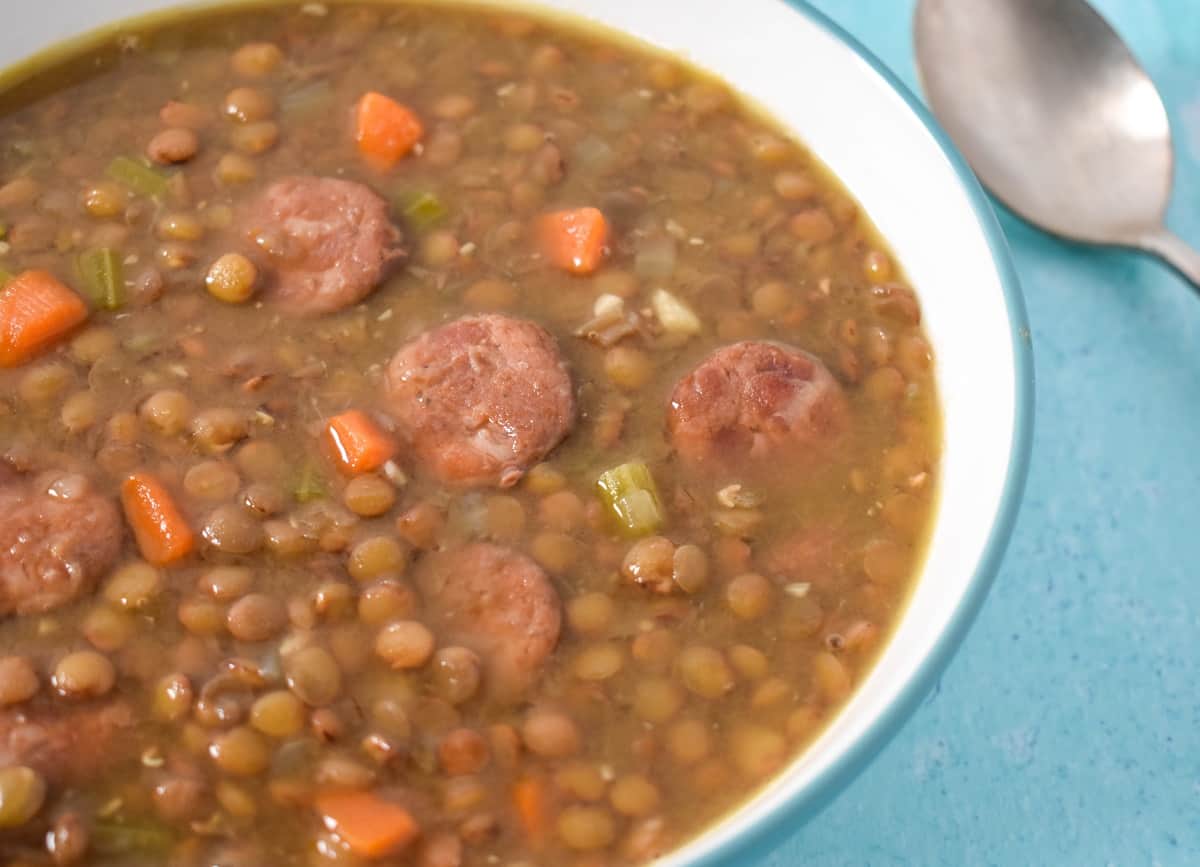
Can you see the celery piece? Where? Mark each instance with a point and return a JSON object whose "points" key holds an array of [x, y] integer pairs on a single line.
{"points": [[424, 210], [114, 838], [139, 177], [629, 493], [307, 100], [101, 273], [309, 486], [5, 276]]}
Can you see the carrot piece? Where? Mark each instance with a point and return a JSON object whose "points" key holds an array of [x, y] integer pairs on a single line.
{"points": [[574, 239], [358, 443], [385, 130], [529, 798], [369, 825], [162, 534], [35, 310]]}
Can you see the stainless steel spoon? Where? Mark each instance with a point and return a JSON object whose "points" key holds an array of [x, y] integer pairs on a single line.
{"points": [[1056, 117]]}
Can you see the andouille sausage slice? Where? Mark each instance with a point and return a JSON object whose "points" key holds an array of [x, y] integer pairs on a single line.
{"points": [[65, 744], [58, 536], [497, 602], [326, 243], [481, 399], [754, 399]]}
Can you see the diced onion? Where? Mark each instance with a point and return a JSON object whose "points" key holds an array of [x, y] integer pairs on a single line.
{"points": [[609, 306], [675, 316]]}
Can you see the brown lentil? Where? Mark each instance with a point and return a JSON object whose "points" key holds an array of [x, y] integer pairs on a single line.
{"points": [[18, 680], [405, 644], [83, 674], [174, 145]]}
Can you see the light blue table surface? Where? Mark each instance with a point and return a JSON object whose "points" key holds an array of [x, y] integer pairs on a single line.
{"points": [[1067, 729]]}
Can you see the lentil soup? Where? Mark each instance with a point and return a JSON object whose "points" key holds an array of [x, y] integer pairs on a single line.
{"points": [[429, 437]]}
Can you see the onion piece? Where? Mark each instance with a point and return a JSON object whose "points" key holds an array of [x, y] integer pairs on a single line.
{"points": [[675, 316], [605, 331]]}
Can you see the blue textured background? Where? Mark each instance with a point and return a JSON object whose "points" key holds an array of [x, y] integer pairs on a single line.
{"points": [[1067, 729]]}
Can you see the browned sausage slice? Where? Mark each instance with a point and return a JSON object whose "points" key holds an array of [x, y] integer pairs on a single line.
{"points": [[754, 400], [481, 399], [65, 744], [327, 242], [58, 536], [497, 602]]}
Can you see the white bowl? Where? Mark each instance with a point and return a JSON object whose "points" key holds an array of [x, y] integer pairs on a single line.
{"points": [[820, 83]]}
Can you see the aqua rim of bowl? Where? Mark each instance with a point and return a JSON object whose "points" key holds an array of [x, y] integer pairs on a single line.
{"points": [[773, 830]]}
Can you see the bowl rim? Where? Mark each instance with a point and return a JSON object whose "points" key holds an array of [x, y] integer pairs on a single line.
{"points": [[774, 828]]}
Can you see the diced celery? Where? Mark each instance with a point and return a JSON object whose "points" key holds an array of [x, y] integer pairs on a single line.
{"points": [[102, 276], [139, 177], [655, 257], [424, 210], [630, 495], [309, 486], [112, 838], [306, 100]]}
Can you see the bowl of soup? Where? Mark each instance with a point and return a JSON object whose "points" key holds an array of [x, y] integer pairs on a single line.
{"points": [[450, 435]]}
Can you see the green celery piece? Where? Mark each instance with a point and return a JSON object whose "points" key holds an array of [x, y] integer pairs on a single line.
{"points": [[139, 177], [310, 486], [103, 278], [631, 497], [309, 99], [424, 210], [113, 838]]}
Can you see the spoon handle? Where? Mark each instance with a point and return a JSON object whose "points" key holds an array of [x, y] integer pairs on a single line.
{"points": [[1176, 252]]}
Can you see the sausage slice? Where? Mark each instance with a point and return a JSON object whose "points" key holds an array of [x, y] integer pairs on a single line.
{"points": [[754, 399], [65, 744], [58, 536], [497, 602], [327, 242], [481, 399]]}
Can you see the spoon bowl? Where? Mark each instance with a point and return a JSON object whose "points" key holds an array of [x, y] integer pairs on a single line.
{"points": [[1056, 117]]}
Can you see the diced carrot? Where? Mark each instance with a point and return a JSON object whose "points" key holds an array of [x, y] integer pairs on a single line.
{"points": [[574, 239], [369, 825], [163, 535], [35, 311], [358, 443], [385, 130], [529, 798]]}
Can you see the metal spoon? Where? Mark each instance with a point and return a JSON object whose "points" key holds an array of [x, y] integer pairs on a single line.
{"points": [[1056, 117]]}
